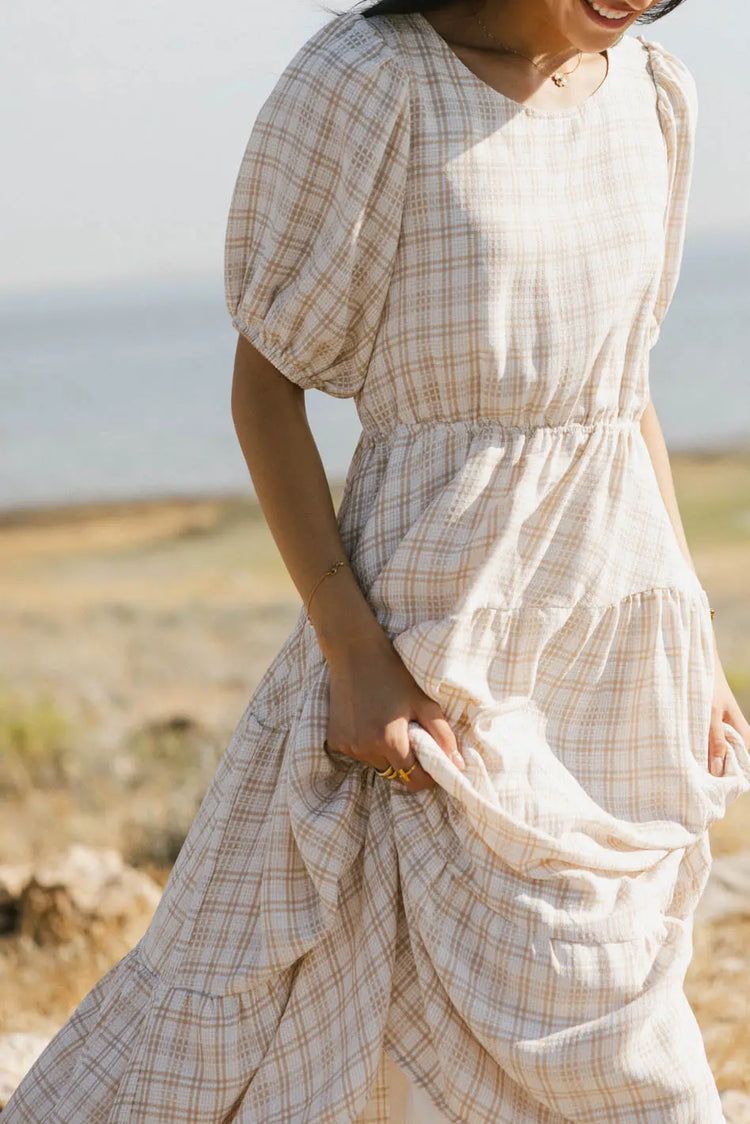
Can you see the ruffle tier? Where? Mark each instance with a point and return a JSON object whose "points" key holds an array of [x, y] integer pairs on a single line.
{"points": [[516, 937]]}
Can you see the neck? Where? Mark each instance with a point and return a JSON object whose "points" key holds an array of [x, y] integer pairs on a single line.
{"points": [[526, 26]]}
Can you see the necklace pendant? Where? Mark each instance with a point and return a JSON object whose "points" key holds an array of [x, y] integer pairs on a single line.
{"points": [[560, 79]]}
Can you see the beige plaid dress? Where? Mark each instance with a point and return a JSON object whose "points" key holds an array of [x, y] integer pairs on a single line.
{"points": [[485, 280]]}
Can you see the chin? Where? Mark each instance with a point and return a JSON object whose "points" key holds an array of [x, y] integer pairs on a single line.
{"points": [[590, 33]]}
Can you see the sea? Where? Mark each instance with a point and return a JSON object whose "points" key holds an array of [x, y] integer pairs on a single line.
{"points": [[122, 392]]}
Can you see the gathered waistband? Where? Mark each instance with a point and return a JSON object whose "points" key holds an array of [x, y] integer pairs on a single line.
{"points": [[490, 425]]}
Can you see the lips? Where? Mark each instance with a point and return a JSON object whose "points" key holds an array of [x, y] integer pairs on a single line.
{"points": [[603, 21]]}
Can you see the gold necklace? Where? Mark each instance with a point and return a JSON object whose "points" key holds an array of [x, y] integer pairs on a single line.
{"points": [[559, 77]]}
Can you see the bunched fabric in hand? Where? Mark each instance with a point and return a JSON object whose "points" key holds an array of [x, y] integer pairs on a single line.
{"points": [[486, 280]]}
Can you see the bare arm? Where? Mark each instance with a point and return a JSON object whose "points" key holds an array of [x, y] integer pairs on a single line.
{"points": [[284, 463], [372, 694], [724, 705]]}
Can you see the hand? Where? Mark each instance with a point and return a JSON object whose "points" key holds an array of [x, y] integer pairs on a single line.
{"points": [[372, 697], [724, 707]]}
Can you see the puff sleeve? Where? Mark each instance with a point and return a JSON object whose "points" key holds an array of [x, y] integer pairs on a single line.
{"points": [[315, 215], [677, 107]]}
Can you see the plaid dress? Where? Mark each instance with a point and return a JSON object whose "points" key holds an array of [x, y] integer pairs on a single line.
{"points": [[485, 280]]}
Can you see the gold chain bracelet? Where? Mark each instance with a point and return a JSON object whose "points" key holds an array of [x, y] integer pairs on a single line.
{"points": [[328, 573]]}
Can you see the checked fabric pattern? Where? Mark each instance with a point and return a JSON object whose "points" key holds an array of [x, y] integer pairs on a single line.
{"points": [[485, 280]]}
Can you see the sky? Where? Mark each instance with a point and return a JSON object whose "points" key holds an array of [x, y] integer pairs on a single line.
{"points": [[124, 124]]}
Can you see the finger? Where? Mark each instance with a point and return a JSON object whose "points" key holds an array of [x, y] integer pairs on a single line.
{"points": [[385, 769], [401, 756], [416, 780], [332, 750], [438, 726], [717, 744], [736, 719]]}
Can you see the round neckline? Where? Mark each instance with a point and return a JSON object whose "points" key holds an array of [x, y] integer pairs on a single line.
{"points": [[464, 73]]}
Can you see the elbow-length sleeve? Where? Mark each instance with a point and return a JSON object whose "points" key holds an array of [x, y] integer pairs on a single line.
{"points": [[677, 107], [315, 215]]}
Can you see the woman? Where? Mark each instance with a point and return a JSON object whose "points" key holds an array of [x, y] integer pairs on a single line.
{"points": [[455, 844]]}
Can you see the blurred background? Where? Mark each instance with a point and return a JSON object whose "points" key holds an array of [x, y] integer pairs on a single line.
{"points": [[140, 591]]}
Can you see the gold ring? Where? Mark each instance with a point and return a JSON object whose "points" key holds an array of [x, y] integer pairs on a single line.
{"points": [[406, 773], [389, 773]]}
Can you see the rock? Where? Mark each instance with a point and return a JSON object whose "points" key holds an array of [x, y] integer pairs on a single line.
{"points": [[727, 891], [87, 892], [13, 881], [18, 1052], [736, 1106]]}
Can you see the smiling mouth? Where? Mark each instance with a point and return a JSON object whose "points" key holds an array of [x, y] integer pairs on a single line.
{"points": [[604, 16]]}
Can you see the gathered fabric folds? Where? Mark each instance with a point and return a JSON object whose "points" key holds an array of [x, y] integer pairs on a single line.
{"points": [[528, 921]]}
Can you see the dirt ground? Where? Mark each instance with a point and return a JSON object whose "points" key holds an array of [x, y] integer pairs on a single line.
{"points": [[134, 634]]}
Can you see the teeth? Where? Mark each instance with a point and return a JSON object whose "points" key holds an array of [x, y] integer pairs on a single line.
{"points": [[608, 13]]}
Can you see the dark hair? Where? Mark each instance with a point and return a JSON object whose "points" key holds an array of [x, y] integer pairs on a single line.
{"points": [[387, 7]]}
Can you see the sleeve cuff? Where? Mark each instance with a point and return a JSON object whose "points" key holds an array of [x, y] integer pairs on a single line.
{"points": [[276, 355]]}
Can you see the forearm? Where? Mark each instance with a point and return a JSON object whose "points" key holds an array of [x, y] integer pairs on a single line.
{"points": [[290, 482]]}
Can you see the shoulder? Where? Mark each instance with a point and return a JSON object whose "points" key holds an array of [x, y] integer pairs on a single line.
{"points": [[347, 54], [674, 81]]}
